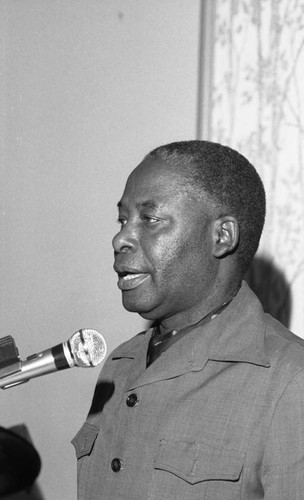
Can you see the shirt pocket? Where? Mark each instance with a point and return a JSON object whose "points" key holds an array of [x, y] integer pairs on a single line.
{"points": [[84, 440], [195, 462]]}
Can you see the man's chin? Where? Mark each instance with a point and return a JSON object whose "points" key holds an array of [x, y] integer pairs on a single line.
{"points": [[143, 309]]}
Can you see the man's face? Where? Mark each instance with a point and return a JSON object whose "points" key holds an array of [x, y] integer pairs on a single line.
{"points": [[163, 251]]}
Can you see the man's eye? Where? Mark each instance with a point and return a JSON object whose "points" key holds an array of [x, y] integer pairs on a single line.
{"points": [[149, 219], [122, 221]]}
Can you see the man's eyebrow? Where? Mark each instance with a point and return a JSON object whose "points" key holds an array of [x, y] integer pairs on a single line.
{"points": [[148, 204], [142, 204]]}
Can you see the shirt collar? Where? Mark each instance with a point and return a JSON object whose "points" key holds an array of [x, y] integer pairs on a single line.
{"points": [[235, 335], [238, 333]]}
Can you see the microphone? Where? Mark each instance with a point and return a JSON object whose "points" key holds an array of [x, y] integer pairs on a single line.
{"points": [[85, 348]]}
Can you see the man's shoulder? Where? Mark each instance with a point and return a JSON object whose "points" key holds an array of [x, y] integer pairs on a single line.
{"points": [[283, 347]]}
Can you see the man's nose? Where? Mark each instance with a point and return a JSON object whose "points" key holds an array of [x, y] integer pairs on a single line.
{"points": [[126, 239]]}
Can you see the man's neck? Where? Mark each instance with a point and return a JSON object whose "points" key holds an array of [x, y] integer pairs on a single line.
{"points": [[183, 320]]}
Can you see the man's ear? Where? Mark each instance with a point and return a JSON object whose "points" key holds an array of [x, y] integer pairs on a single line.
{"points": [[225, 235]]}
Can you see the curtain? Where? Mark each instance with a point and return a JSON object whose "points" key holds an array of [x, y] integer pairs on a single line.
{"points": [[252, 99]]}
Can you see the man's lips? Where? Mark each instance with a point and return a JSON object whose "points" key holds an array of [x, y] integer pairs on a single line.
{"points": [[128, 280]]}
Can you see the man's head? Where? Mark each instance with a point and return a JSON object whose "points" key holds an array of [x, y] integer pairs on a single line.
{"points": [[230, 181], [191, 217]]}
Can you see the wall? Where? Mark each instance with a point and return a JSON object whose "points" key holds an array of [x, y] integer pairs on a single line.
{"points": [[87, 88]]}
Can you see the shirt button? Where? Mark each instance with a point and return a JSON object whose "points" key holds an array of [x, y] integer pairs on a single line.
{"points": [[116, 465], [132, 400]]}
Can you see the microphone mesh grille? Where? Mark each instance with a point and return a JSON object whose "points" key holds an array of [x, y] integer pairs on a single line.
{"points": [[88, 348]]}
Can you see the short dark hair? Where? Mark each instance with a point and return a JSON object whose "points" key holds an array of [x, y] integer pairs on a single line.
{"points": [[230, 182]]}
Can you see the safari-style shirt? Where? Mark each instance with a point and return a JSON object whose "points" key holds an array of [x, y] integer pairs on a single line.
{"points": [[218, 416]]}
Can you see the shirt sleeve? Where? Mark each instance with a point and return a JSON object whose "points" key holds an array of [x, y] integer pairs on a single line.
{"points": [[283, 463]]}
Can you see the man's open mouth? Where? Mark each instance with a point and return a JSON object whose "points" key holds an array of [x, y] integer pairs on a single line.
{"points": [[130, 280]]}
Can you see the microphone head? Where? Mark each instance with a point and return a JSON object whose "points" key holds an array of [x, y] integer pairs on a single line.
{"points": [[87, 348]]}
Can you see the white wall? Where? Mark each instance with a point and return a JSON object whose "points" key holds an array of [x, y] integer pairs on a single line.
{"points": [[87, 88]]}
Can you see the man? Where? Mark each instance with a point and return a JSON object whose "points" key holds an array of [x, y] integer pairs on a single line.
{"points": [[209, 402]]}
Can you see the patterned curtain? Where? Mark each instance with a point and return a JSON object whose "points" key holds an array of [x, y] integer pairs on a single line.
{"points": [[254, 92]]}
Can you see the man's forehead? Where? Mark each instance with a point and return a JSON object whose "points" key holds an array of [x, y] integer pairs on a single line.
{"points": [[155, 186], [153, 175], [151, 189]]}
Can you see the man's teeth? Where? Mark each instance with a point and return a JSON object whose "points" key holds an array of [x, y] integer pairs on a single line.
{"points": [[132, 276]]}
